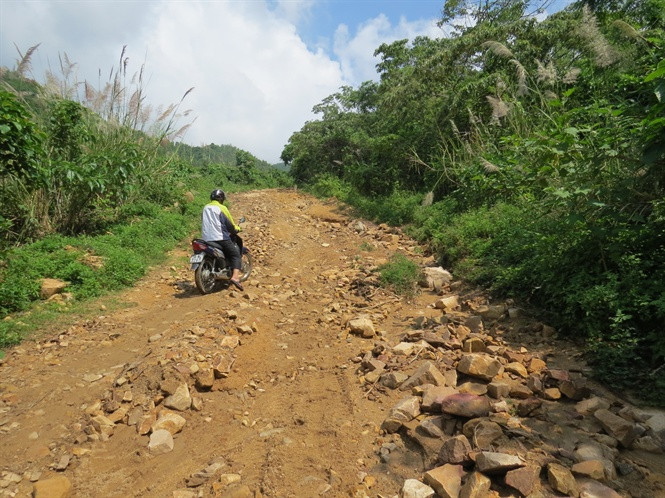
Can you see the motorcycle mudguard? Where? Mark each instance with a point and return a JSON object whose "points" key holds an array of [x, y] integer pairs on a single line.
{"points": [[195, 266]]}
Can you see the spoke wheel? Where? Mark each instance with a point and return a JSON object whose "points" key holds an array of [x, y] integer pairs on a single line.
{"points": [[246, 267], [204, 277]]}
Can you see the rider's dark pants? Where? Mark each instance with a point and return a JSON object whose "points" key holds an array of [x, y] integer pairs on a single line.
{"points": [[231, 252]]}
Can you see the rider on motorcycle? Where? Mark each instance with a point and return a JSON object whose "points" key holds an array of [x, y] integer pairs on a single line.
{"points": [[218, 228]]}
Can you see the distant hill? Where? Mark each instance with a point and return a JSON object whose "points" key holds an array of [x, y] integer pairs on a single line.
{"points": [[220, 154]]}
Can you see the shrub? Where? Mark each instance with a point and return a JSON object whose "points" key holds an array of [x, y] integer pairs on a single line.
{"points": [[400, 274]]}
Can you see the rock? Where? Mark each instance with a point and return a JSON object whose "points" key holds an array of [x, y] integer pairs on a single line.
{"points": [[589, 488], [183, 493], [619, 428], [55, 487], [413, 488], [595, 469], [479, 365], [476, 486], [474, 323], [433, 395], [482, 433], [103, 425], [435, 278], [51, 286], [404, 349], [221, 365], [474, 345], [455, 450], [445, 480], [551, 394], [562, 480], [648, 444], [405, 410], [447, 303], [466, 405], [574, 389], [169, 421], [490, 313], [362, 326], [498, 390], [517, 369], [161, 442], [526, 480], [392, 380], [204, 379], [229, 342], [536, 365], [180, 400], [432, 427], [489, 462], [477, 388], [427, 373]]}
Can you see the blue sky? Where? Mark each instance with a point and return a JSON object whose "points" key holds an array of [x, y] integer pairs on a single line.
{"points": [[257, 66]]}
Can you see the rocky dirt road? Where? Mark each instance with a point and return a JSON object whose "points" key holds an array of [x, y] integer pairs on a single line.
{"points": [[313, 381]]}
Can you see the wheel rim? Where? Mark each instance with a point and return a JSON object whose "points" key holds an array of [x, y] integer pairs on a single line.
{"points": [[207, 277], [246, 267]]}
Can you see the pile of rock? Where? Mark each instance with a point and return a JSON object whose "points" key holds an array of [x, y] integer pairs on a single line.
{"points": [[490, 420]]}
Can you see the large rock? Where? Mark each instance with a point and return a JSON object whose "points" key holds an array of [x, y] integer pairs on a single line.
{"points": [[482, 433], [479, 365], [413, 488], [476, 486], [466, 405], [169, 421], [362, 326], [526, 480], [435, 278], [489, 462], [593, 489], [445, 480], [619, 428], [404, 411], [427, 373], [55, 487], [433, 395], [455, 450], [180, 400], [562, 480], [161, 442], [51, 286]]}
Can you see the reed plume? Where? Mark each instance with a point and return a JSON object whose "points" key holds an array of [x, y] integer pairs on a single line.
{"points": [[498, 49], [588, 30], [499, 108], [522, 89], [546, 74], [488, 166], [24, 64], [571, 75]]}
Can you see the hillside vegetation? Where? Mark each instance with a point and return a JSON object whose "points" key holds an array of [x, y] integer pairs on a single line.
{"points": [[531, 155], [94, 188]]}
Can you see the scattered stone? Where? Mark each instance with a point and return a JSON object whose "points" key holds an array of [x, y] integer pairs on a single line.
{"points": [[169, 421], [204, 379], [427, 373], [447, 303], [455, 450], [55, 487], [476, 486], [445, 480], [489, 462], [595, 469], [51, 286], [517, 369], [589, 488], [562, 480], [479, 365], [482, 433], [392, 380], [466, 405], [362, 326], [526, 480], [433, 395], [221, 365], [412, 488], [619, 428], [161, 441], [498, 390], [180, 400], [407, 409], [474, 345]]}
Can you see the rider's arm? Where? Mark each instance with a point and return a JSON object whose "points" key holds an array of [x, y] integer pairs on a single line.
{"points": [[226, 213]]}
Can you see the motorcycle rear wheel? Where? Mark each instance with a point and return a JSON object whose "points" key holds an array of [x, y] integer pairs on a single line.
{"points": [[204, 276], [246, 267]]}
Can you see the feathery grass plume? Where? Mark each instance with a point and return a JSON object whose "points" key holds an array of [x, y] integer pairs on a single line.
{"points": [[589, 31], [23, 65], [498, 49], [454, 128], [627, 30], [499, 108], [571, 76], [500, 85], [550, 95], [546, 74], [428, 199], [488, 166], [522, 89]]}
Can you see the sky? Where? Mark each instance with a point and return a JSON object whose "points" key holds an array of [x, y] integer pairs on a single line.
{"points": [[257, 67]]}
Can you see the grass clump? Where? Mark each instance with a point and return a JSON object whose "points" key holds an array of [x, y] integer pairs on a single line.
{"points": [[400, 274]]}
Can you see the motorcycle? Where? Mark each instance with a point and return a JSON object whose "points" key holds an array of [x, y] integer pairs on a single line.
{"points": [[211, 267]]}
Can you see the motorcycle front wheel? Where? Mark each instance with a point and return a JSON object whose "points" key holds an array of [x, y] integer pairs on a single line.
{"points": [[204, 276]]}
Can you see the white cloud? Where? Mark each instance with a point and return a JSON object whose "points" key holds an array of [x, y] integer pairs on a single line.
{"points": [[255, 79], [356, 54]]}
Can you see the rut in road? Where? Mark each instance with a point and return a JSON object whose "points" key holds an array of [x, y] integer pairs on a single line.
{"points": [[290, 418]]}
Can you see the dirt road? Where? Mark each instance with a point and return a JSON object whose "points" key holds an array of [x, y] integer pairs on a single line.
{"points": [[274, 403]]}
